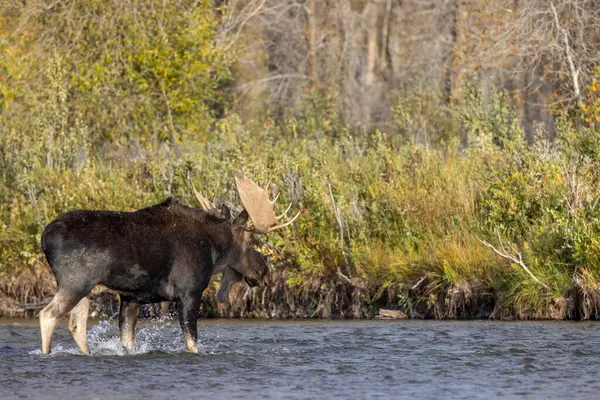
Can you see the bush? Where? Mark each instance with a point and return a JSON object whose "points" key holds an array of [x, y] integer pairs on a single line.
{"points": [[139, 118]]}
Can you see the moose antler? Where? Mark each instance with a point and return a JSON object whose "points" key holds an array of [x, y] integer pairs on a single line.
{"points": [[205, 203], [260, 208]]}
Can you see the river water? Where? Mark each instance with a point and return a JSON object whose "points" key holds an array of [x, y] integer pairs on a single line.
{"points": [[306, 359]]}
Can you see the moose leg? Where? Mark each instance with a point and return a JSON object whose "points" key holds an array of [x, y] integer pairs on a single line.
{"points": [[60, 305], [128, 315], [78, 324], [188, 319]]}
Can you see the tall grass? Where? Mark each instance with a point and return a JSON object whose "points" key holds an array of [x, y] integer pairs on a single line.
{"points": [[406, 211], [401, 215]]}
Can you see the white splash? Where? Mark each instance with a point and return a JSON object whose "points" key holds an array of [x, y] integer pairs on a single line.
{"points": [[103, 339]]}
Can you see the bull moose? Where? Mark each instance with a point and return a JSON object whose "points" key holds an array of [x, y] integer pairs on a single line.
{"points": [[165, 252]]}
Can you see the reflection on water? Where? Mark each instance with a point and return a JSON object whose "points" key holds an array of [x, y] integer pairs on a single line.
{"points": [[306, 359]]}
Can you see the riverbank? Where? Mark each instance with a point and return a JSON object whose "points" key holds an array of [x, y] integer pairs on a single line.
{"points": [[494, 228], [25, 295], [453, 205]]}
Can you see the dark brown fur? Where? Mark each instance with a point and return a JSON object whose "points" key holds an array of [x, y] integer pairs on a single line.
{"points": [[166, 252]]}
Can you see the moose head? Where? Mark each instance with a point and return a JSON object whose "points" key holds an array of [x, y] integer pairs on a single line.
{"points": [[242, 260]]}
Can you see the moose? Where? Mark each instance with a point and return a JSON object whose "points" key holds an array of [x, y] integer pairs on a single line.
{"points": [[165, 252]]}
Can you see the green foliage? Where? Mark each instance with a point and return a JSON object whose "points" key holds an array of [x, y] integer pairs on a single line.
{"points": [[422, 116], [123, 106], [590, 106], [493, 120], [148, 71]]}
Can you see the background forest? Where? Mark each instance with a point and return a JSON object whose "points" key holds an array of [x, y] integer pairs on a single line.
{"points": [[444, 153]]}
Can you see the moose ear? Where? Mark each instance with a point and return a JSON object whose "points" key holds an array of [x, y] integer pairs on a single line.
{"points": [[241, 219], [225, 213]]}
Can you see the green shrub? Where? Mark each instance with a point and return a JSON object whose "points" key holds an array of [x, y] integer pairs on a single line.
{"points": [[139, 118]]}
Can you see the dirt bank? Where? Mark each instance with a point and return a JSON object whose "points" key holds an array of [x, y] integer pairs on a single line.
{"points": [[24, 294]]}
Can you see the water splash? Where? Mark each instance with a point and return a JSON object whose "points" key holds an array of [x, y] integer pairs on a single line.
{"points": [[103, 340], [56, 350]]}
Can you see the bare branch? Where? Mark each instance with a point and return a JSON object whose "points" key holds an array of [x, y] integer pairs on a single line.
{"points": [[516, 259], [567, 48]]}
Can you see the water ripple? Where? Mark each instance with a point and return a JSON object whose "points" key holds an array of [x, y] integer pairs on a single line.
{"points": [[241, 359]]}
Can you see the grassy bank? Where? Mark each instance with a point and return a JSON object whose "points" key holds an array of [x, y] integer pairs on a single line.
{"points": [[383, 223], [448, 213]]}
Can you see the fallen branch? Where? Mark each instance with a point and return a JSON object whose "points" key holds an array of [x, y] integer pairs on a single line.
{"points": [[390, 314], [416, 285], [344, 276], [32, 306]]}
